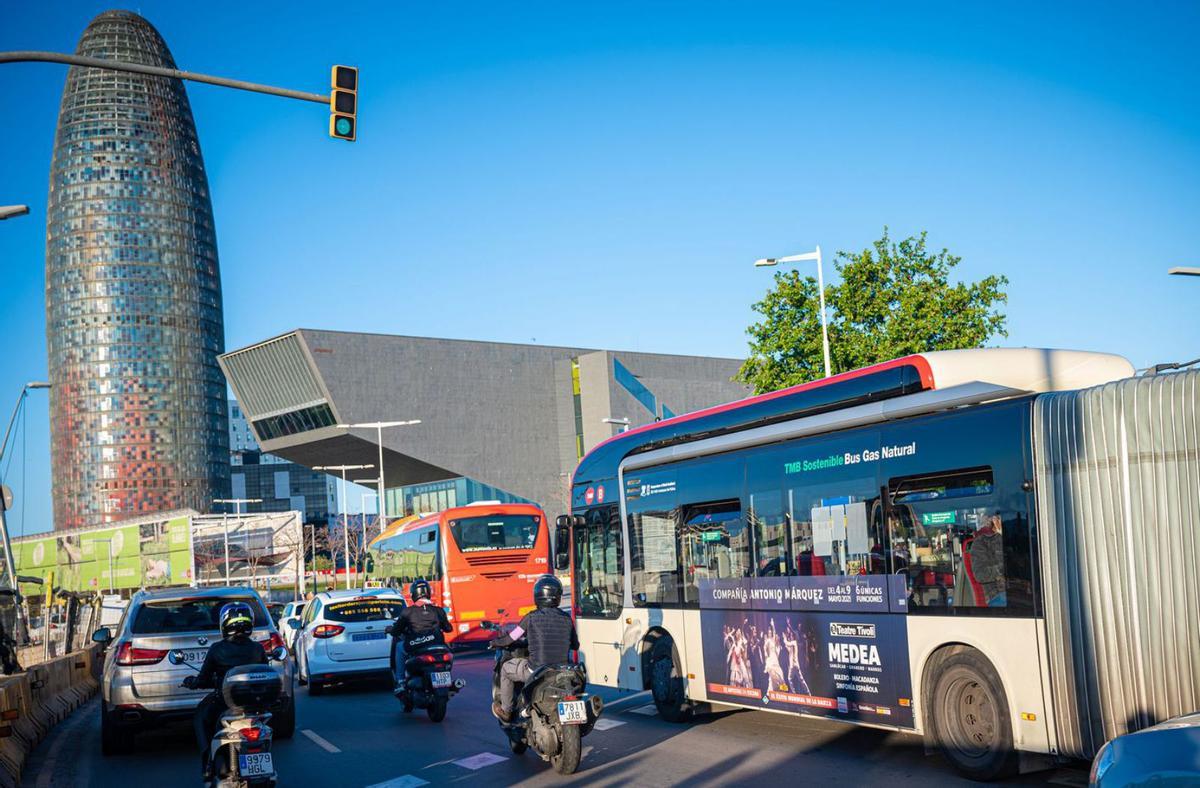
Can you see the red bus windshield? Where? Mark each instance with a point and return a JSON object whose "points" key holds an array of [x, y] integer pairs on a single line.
{"points": [[496, 532]]}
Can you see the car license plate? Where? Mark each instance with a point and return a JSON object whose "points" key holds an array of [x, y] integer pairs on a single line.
{"points": [[440, 679], [193, 656], [255, 764], [572, 712], [368, 636]]}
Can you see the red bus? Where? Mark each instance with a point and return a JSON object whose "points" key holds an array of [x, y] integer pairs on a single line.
{"points": [[481, 561]]}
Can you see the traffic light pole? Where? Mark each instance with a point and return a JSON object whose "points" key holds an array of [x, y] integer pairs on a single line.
{"points": [[137, 68]]}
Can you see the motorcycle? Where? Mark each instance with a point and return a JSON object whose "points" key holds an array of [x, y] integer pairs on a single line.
{"points": [[428, 683], [239, 753], [552, 711]]}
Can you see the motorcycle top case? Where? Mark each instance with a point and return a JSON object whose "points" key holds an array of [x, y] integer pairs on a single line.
{"points": [[252, 688]]}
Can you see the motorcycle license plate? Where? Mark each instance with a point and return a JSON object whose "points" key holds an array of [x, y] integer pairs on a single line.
{"points": [[440, 679], [255, 764], [572, 712]]}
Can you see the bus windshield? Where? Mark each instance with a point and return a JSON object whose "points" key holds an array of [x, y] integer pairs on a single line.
{"points": [[496, 532]]}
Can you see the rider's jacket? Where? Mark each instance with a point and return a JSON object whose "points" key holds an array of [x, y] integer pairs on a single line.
{"points": [[550, 634], [420, 626], [225, 655]]}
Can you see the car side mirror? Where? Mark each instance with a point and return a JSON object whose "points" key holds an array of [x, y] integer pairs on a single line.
{"points": [[389, 629], [102, 635], [294, 623]]}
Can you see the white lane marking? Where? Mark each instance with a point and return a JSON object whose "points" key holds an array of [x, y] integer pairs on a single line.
{"points": [[403, 781], [604, 724], [649, 710], [628, 700], [322, 743], [481, 760]]}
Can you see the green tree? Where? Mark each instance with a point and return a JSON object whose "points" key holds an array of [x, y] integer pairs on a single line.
{"points": [[893, 299]]}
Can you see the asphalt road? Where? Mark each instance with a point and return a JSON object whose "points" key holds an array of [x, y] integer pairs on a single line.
{"points": [[359, 736]]}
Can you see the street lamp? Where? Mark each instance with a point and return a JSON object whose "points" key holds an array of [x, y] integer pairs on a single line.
{"points": [[362, 512], [1180, 270], [379, 427], [9, 211], [798, 258], [225, 521], [345, 524], [622, 423]]}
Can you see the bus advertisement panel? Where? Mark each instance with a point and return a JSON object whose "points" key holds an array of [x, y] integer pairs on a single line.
{"points": [[831, 646]]}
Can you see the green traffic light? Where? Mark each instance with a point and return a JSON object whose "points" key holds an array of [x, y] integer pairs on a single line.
{"points": [[343, 126]]}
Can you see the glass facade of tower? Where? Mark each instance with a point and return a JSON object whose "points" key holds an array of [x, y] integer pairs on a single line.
{"points": [[133, 292]]}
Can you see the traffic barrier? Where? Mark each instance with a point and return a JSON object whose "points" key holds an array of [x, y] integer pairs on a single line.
{"points": [[31, 703]]}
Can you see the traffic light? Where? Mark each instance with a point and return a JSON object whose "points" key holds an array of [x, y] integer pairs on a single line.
{"points": [[343, 103]]}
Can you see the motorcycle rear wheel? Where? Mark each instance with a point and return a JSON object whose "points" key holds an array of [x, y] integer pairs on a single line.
{"points": [[567, 759], [437, 710]]}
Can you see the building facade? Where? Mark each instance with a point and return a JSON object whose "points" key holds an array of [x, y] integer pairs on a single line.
{"points": [[133, 292], [498, 420], [278, 484]]}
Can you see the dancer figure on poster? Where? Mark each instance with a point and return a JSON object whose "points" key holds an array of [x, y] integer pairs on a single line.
{"points": [[771, 653], [795, 675]]}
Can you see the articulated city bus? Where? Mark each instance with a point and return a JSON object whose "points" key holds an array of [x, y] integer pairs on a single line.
{"points": [[481, 561], [994, 548]]}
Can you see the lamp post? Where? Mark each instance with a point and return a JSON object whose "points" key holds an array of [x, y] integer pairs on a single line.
{"points": [[9, 211], [379, 427], [362, 509], [622, 423], [225, 522], [797, 258], [1181, 270], [345, 523]]}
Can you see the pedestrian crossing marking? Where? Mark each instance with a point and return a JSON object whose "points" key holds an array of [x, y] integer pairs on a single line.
{"points": [[604, 724], [649, 710], [403, 781], [481, 760]]}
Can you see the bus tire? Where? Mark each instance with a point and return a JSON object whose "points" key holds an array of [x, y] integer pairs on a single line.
{"points": [[666, 682], [968, 716]]}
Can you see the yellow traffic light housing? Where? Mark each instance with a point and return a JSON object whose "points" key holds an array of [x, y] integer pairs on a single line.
{"points": [[343, 103]]}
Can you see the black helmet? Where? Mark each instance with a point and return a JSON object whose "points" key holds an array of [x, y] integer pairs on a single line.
{"points": [[237, 620], [547, 591], [419, 589]]}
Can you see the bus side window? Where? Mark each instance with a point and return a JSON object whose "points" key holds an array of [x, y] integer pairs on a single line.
{"points": [[599, 567], [832, 528], [770, 533], [715, 544]]}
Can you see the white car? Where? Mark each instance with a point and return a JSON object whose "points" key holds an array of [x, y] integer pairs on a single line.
{"points": [[343, 635], [292, 610]]}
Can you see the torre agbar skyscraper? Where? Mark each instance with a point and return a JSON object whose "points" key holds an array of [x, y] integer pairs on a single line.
{"points": [[138, 415]]}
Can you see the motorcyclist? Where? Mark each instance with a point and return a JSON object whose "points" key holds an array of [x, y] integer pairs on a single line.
{"points": [[233, 650], [418, 625], [550, 634]]}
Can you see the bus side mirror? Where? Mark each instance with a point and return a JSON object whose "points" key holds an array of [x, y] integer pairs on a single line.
{"points": [[562, 545], [563, 521]]}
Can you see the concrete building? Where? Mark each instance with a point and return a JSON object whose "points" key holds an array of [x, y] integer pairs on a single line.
{"points": [[133, 292], [513, 418], [281, 485]]}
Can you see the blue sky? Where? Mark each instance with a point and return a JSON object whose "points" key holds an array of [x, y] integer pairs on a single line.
{"points": [[603, 175]]}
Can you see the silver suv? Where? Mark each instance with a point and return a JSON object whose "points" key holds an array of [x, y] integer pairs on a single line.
{"points": [[140, 687]]}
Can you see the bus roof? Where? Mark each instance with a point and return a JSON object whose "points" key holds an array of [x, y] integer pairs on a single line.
{"points": [[477, 509], [1024, 369]]}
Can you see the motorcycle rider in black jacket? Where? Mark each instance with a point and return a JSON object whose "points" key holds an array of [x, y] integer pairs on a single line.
{"points": [[233, 650], [550, 634], [419, 625]]}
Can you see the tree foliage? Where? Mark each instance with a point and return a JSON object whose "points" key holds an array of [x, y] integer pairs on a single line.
{"points": [[892, 299]]}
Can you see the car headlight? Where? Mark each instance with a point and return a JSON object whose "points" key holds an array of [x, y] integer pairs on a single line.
{"points": [[1102, 763]]}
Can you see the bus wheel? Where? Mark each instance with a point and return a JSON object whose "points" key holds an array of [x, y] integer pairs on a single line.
{"points": [[666, 682], [970, 717]]}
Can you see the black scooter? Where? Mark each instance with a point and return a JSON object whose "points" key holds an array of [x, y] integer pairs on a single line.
{"points": [[553, 711], [428, 683]]}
